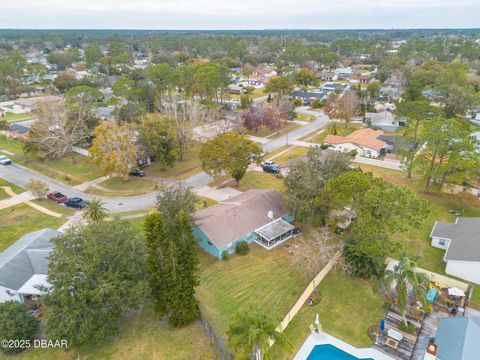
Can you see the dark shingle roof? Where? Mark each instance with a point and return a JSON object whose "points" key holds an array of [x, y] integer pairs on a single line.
{"points": [[443, 230], [465, 242], [240, 215], [26, 257]]}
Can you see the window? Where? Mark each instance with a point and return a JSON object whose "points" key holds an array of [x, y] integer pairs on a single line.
{"points": [[209, 243], [441, 242]]}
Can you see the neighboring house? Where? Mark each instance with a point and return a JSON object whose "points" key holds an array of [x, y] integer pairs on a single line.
{"points": [[30, 104], [395, 143], [461, 241], [360, 78], [327, 76], [389, 92], [344, 73], [17, 131], [255, 215], [236, 89], [23, 266], [335, 87], [104, 113], [309, 95], [476, 135], [364, 141], [457, 338], [382, 120]]}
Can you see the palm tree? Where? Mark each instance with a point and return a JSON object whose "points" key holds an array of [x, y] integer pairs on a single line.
{"points": [[251, 333], [405, 278], [94, 211]]}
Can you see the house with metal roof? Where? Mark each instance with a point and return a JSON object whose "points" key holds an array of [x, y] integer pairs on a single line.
{"points": [[24, 265], [457, 338], [461, 240], [253, 216]]}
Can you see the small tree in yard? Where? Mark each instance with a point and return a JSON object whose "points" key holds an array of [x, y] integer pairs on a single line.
{"points": [[16, 323], [37, 188], [250, 334], [173, 200], [242, 248], [94, 211], [229, 152], [404, 278]]}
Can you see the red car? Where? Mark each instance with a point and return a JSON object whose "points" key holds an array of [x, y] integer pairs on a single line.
{"points": [[57, 197]]}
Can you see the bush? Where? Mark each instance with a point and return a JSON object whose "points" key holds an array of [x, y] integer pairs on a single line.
{"points": [[16, 323], [354, 152], [317, 104], [297, 102], [225, 255], [409, 328], [245, 101], [242, 248], [324, 146]]}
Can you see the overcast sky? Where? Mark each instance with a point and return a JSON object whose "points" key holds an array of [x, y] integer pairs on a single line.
{"points": [[238, 14]]}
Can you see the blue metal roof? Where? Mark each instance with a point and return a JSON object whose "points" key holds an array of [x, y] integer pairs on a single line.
{"points": [[458, 339]]}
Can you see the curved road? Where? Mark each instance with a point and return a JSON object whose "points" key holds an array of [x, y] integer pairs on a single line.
{"points": [[21, 175]]}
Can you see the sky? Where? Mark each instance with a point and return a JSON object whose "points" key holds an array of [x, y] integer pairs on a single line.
{"points": [[238, 14]]}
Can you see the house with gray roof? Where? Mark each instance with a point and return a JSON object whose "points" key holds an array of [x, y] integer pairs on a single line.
{"points": [[461, 240], [457, 338], [253, 216], [24, 265], [382, 120]]}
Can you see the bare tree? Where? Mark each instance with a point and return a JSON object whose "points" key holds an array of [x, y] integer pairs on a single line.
{"points": [[315, 251], [37, 188], [343, 107], [57, 131], [185, 115]]}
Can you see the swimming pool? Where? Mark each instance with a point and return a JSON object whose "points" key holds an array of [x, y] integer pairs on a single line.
{"points": [[330, 352]]}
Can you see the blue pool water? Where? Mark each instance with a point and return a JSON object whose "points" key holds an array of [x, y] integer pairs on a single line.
{"points": [[330, 352]]}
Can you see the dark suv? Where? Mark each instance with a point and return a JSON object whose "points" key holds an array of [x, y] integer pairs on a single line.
{"points": [[76, 203], [137, 173]]}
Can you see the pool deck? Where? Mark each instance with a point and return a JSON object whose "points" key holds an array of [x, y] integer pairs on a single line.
{"points": [[323, 338]]}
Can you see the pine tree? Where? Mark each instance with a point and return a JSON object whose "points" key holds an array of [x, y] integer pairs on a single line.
{"points": [[183, 302], [157, 240]]}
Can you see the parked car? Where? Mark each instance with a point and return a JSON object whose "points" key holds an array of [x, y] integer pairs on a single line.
{"points": [[137, 173], [273, 169], [268, 163], [56, 196], [76, 203], [5, 160]]}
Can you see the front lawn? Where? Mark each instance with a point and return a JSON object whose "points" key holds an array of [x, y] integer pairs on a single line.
{"points": [[19, 220], [116, 186], [16, 189], [341, 131], [191, 165], [142, 336], [291, 154], [258, 180], [348, 306], [305, 117], [264, 279], [11, 117]]}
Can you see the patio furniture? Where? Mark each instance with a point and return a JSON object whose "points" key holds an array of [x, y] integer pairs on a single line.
{"points": [[395, 335], [432, 295], [392, 344]]}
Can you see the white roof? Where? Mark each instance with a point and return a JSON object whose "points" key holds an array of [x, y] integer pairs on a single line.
{"points": [[30, 286]]}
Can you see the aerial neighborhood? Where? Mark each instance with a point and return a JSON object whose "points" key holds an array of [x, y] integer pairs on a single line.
{"points": [[263, 194]]}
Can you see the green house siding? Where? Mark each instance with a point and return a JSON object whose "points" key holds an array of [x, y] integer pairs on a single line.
{"points": [[207, 245]]}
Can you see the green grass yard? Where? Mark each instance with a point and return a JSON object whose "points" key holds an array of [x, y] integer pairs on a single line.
{"points": [[11, 117], [19, 220], [291, 154], [116, 186], [142, 336], [15, 188], [264, 279], [257, 180], [347, 308], [191, 165]]}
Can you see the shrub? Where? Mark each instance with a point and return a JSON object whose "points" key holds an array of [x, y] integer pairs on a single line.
{"points": [[242, 248], [324, 146], [225, 255], [317, 104], [409, 328], [354, 152], [297, 102], [16, 324]]}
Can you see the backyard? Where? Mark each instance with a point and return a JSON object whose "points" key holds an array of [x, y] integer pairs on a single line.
{"points": [[21, 219], [142, 336]]}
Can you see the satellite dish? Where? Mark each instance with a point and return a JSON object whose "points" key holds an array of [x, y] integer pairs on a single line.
{"points": [[270, 214]]}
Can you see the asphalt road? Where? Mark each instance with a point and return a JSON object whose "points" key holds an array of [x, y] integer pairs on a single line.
{"points": [[21, 175], [320, 121]]}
